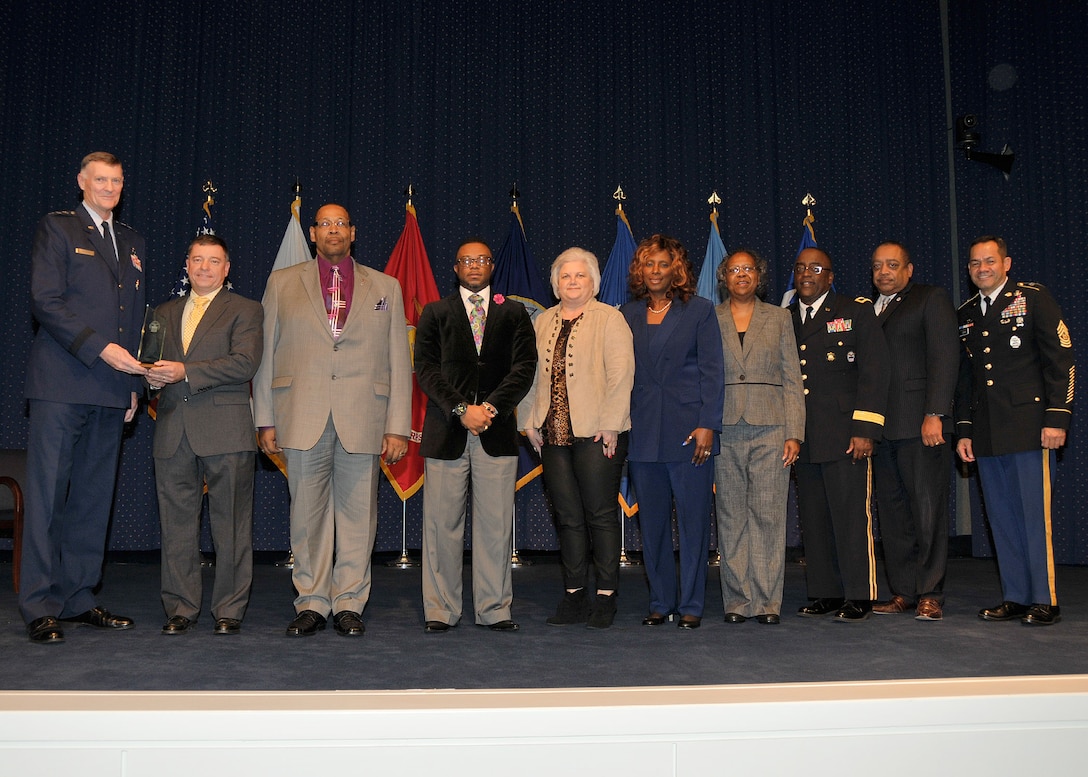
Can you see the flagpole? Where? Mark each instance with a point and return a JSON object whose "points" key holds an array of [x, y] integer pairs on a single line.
{"points": [[404, 561], [288, 561], [625, 560], [516, 559], [404, 266]]}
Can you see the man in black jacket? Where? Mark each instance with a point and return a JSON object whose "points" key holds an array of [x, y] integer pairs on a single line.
{"points": [[913, 463], [475, 358]]}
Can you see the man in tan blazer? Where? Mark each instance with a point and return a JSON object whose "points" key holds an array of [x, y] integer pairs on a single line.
{"points": [[334, 391]]}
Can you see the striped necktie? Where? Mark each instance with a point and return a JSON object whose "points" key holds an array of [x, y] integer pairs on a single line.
{"points": [[336, 304]]}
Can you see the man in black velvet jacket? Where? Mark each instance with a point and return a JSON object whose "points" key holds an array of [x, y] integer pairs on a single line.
{"points": [[475, 358]]}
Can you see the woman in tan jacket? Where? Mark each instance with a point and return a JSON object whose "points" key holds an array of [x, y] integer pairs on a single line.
{"points": [[577, 416]]}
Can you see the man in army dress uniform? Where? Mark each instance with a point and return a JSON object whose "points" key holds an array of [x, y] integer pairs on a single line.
{"points": [[1014, 402], [844, 367]]}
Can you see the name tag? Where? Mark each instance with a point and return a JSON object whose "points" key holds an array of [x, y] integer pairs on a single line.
{"points": [[85, 251]]}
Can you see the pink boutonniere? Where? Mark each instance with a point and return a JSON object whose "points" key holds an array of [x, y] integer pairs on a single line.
{"points": [[499, 299]]}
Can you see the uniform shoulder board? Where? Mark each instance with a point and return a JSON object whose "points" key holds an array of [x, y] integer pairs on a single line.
{"points": [[63, 213], [1030, 285], [863, 300], [970, 300], [123, 224]]}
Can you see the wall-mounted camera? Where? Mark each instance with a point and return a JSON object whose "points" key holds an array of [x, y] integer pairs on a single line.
{"points": [[967, 137]]}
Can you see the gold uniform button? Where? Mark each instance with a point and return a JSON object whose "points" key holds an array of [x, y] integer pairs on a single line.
{"points": [[806, 392], [989, 383], [989, 366], [986, 349], [804, 362], [803, 347]]}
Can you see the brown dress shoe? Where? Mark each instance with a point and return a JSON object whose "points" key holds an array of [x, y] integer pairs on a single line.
{"points": [[893, 606], [929, 609]]}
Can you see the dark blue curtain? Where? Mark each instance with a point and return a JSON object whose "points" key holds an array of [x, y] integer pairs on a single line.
{"points": [[762, 102]]}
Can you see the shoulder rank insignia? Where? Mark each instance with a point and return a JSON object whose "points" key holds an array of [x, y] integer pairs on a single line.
{"points": [[1063, 335], [863, 300]]}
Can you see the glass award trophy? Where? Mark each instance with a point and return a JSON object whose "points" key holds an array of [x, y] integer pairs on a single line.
{"points": [[152, 336]]}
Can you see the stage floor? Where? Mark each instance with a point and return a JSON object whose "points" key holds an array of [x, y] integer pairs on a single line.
{"points": [[395, 654]]}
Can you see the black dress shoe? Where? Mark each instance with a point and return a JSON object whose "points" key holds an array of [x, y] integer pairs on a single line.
{"points": [[177, 624], [436, 627], [734, 617], [348, 624], [45, 631], [655, 619], [768, 619], [854, 611], [101, 618], [819, 607], [689, 622], [1006, 611], [506, 625], [227, 626], [306, 624], [1042, 615]]}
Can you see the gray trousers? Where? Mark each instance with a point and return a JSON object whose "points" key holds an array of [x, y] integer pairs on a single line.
{"points": [[446, 487], [751, 488]]}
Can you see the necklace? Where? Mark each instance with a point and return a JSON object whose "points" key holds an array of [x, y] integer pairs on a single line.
{"points": [[650, 307]]}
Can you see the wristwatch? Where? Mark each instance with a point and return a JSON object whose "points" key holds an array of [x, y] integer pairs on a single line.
{"points": [[460, 409]]}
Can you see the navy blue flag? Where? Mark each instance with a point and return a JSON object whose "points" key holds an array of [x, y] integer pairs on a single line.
{"points": [[808, 240], [181, 285], [614, 289], [517, 277]]}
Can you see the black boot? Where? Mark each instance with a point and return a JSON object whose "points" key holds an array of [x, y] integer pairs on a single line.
{"points": [[573, 608], [603, 612]]}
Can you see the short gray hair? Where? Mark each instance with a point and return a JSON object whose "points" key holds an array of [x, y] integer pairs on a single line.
{"points": [[576, 254]]}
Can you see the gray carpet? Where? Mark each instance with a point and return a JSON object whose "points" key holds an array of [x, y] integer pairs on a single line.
{"points": [[396, 654]]}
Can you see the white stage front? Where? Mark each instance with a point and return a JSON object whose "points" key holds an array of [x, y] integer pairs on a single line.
{"points": [[967, 726]]}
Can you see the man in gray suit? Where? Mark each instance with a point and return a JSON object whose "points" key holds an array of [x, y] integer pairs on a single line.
{"points": [[212, 345], [334, 391]]}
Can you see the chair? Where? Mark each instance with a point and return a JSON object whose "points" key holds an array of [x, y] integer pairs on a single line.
{"points": [[12, 475]]}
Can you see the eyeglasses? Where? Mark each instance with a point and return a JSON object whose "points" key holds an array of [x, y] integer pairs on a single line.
{"points": [[474, 261], [815, 269], [739, 268], [339, 224]]}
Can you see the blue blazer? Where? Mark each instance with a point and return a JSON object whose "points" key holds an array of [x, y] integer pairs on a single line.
{"points": [[82, 300], [679, 379]]}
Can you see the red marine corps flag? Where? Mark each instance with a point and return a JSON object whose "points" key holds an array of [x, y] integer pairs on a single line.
{"points": [[409, 265]]}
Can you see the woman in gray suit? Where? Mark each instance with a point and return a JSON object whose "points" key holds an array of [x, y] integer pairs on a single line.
{"points": [[763, 425], [576, 416]]}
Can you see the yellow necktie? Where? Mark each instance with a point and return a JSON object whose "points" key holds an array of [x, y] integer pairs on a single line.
{"points": [[200, 304]]}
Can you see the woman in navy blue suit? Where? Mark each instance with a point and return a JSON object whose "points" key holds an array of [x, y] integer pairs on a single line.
{"points": [[676, 416]]}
